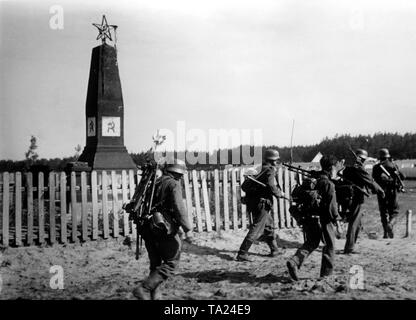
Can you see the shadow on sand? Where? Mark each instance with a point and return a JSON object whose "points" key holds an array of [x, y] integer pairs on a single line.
{"points": [[217, 275]]}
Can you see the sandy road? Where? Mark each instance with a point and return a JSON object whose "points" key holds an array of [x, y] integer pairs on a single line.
{"points": [[106, 269]]}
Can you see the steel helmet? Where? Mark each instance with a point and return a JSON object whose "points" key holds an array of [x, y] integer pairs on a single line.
{"points": [[361, 153], [384, 153], [271, 154], [178, 166]]}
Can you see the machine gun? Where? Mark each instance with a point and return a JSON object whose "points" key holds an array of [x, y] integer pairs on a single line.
{"points": [[308, 173], [140, 206], [251, 183]]}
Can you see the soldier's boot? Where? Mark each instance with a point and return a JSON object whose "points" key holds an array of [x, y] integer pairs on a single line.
{"points": [[243, 252], [274, 249], [325, 272], [292, 267], [148, 290], [390, 232], [142, 292], [385, 230], [156, 294]]}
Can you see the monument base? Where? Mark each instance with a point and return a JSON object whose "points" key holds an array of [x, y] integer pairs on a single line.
{"points": [[107, 158]]}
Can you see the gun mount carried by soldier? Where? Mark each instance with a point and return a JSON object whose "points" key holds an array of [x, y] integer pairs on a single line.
{"points": [[303, 172], [395, 176], [140, 207]]}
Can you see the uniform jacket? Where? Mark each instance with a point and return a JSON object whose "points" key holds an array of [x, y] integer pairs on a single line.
{"points": [[360, 177], [269, 179], [168, 193], [328, 208], [382, 178]]}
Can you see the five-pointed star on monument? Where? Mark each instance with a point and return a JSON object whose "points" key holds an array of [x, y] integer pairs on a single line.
{"points": [[103, 29]]}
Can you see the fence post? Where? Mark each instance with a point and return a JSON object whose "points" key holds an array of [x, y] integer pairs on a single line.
{"points": [[217, 200], [18, 208], [104, 199], [287, 194], [125, 199], [74, 207], [280, 201], [292, 185], [6, 206], [188, 197], [29, 184], [234, 198], [114, 193], [41, 208], [94, 198], [243, 206], [206, 201], [62, 190], [132, 188], [408, 223], [84, 209], [197, 200], [225, 200], [52, 231]]}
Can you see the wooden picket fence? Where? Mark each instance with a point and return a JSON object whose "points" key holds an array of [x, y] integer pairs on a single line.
{"points": [[39, 209]]}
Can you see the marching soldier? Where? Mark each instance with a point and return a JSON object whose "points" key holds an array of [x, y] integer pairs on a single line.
{"points": [[260, 206], [363, 182], [388, 176], [319, 225], [164, 250]]}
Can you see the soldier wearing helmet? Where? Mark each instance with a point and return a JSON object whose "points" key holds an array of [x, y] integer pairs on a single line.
{"points": [[260, 205], [164, 251], [319, 225], [387, 175], [363, 182]]}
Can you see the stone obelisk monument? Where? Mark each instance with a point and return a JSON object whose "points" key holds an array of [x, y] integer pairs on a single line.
{"points": [[104, 110]]}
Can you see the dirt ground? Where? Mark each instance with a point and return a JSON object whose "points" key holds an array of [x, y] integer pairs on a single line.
{"points": [[106, 269]]}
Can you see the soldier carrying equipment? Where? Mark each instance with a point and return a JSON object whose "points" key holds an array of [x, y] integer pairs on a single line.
{"points": [[305, 200], [319, 223], [357, 175], [140, 207], [389, 177], [259, 200], [161, 233]]}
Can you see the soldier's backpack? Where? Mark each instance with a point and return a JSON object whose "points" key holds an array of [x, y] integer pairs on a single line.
{"points": [[344, 193], [251, 187], [306, 200], [160, 221]]}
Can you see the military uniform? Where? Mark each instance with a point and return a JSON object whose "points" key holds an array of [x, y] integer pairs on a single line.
{"points": [[164, 252], [357, 175], [319, 226], [389, 206], [260, 206]]}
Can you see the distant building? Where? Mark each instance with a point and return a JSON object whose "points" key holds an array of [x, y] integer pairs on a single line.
{"points": [[317, 158]]}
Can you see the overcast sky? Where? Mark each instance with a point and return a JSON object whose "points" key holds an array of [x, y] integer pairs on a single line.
{"points": [[333, 66]]}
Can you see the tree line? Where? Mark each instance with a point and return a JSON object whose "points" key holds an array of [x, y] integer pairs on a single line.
{"points": [[401, 146]]}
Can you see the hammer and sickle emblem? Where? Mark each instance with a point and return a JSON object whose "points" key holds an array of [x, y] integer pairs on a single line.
{"points": [[111, 126]]}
